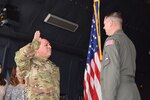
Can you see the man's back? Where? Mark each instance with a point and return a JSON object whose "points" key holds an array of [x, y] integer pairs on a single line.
{"points": [[118, 67], [127, 54]]}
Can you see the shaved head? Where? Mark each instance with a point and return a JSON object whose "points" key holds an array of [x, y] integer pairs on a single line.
{"points": [[112, 22]]}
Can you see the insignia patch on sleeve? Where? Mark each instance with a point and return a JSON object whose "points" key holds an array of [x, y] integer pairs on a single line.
{"points": [[106, 58], [109, 42], [106, 61]]}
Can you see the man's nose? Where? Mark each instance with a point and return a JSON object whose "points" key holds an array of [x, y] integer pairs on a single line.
{"points": [[49, 46], [104, 27]]}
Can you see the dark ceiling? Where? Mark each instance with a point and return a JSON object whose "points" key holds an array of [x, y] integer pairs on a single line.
{"points": [[136, 14], [27, 16]]}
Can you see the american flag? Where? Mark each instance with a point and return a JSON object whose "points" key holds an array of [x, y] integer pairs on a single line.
{"points": [[92, 87]]}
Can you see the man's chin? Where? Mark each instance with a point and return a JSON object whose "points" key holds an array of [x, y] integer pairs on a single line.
{"points": [[49, 55]]}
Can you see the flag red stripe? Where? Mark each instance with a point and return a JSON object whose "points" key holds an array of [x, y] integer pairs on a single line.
{"points": [[97, 71]]}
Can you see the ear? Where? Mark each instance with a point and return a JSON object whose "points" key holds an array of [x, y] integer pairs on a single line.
{"points": [[36, 52], [110, 22]]}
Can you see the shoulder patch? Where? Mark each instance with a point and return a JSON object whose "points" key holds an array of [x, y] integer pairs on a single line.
{"points": [[109, 42]]}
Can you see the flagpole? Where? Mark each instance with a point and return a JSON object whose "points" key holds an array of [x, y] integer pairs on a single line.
{"points": [[92, 85], [97, 21]]}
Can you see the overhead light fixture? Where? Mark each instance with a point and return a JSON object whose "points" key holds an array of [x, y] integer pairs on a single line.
{"points": [[60, 22]]}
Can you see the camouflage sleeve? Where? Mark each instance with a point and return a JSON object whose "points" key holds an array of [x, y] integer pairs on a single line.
{"points": [[24, 55], [56, 75], [56, 72]]}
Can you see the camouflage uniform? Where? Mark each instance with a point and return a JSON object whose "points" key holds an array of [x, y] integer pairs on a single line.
{"points": [[41, 75]]}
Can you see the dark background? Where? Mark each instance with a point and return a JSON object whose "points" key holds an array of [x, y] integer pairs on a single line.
{"points": [[70, 48]]}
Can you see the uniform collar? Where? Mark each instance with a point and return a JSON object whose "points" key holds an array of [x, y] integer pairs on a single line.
{"points": [[40, 58], [118, 32]]}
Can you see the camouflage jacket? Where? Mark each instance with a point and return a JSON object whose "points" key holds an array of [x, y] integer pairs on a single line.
{"points": [[42, 76]]}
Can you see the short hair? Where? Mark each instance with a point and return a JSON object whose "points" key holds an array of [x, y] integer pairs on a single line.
{"points": [[116, 14]]}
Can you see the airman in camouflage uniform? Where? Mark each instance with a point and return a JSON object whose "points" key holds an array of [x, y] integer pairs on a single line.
{"points": [[42, 76]]}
